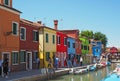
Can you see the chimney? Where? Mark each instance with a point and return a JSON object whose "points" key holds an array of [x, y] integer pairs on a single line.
{"points": [[55, 24], [39, 22]]}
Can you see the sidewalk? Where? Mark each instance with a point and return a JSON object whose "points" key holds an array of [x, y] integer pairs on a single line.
{"points": [[16, 75], [30, 75]]}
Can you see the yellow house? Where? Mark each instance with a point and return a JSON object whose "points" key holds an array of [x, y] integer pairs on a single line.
{"points": [[47, 44]]}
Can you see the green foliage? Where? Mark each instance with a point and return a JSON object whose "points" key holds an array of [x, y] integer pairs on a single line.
{"points": [[96, 36]]}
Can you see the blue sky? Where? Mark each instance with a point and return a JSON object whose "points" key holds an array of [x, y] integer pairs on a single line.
{"points": [[96, 15]]}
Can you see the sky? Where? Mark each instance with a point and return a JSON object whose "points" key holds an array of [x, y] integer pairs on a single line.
{"points": [[96, 15]]}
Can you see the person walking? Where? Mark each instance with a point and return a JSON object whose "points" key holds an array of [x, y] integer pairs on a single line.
{"points": [[38, 63], [5, 68], [81, 60], [56, 62]]}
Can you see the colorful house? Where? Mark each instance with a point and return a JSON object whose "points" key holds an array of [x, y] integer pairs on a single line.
{"points": [[75, 34], [29, 44], [61, 45], [85, 50], [84, 45], [9, 33], [96, 48], [113, 50], [47, 44], [71, 48]]}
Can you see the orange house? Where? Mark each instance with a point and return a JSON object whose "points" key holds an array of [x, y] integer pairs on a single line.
{"points": [[9, 33]]}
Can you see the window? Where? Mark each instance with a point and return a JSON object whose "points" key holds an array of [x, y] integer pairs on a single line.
{"points": [[65, 41], [15, 28], [97, 50], [68, 44], [53, 39], [47, 37], [85, 47], [82, 46], [47, 56], [6, 2], [35, 35], [73, 45], [14, 57], [35, 56], [58, 39], [22, 56], [23, 33]]}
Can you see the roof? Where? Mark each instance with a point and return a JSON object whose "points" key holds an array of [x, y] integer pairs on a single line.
{"points": [[69, 30], [11, 8], [47, 27], [34, 24]]}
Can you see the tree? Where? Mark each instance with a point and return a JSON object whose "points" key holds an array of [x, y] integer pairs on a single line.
{"points": [[96, 36], [102, 37], [88, 34]]}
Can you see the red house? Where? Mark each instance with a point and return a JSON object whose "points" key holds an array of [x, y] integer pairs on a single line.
{"points": [[29, 44], [74, 34], [113, 50], [61, 51]]}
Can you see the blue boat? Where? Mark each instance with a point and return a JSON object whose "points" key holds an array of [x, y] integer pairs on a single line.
{"points": [[108, 63], [93, 68], [112, 77]]}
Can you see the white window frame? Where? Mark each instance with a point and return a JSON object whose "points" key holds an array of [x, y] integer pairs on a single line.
{"points": [[17, 59], [8, 3], [58, 42], [20, 58], [17, 28], [33, 37], [65, 41], [21, 33]]}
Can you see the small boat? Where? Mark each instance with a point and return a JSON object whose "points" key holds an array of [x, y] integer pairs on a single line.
{"points": [[108, 63], [80, 71], [112, 77], [93, 68]]}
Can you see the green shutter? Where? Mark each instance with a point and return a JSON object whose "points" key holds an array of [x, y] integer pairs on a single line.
{"points": [[22, 56], [6, 2], [47, 56], [46, 38], [53, 39], [14, 28]]}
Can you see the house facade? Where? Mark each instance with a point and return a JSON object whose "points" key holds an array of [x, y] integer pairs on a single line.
{"points": [[85, 50], [47, 44], [75, 34], [9, 33], [96, 48], [62, 48], [29, 43], [71, 48]]}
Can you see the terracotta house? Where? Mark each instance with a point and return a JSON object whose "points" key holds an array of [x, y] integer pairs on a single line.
{"points": [[9, 33]]}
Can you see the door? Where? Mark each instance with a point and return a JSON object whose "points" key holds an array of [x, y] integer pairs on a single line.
{"points": [[29, 61], [6, 55]]}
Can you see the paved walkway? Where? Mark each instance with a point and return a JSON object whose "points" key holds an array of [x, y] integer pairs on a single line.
{"points": [[16, 75]]}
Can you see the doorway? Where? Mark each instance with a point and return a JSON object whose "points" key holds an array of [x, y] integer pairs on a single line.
{"points": [[29, 61], [6, 55]]}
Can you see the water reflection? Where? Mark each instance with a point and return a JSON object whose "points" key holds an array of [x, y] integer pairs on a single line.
{"points": [[91, 76]]}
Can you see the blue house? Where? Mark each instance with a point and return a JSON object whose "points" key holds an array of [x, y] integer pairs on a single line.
{"points": [[96, 48], [71, 48]]}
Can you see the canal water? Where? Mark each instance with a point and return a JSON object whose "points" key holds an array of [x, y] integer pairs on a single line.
{"points": [[90, 76]]}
